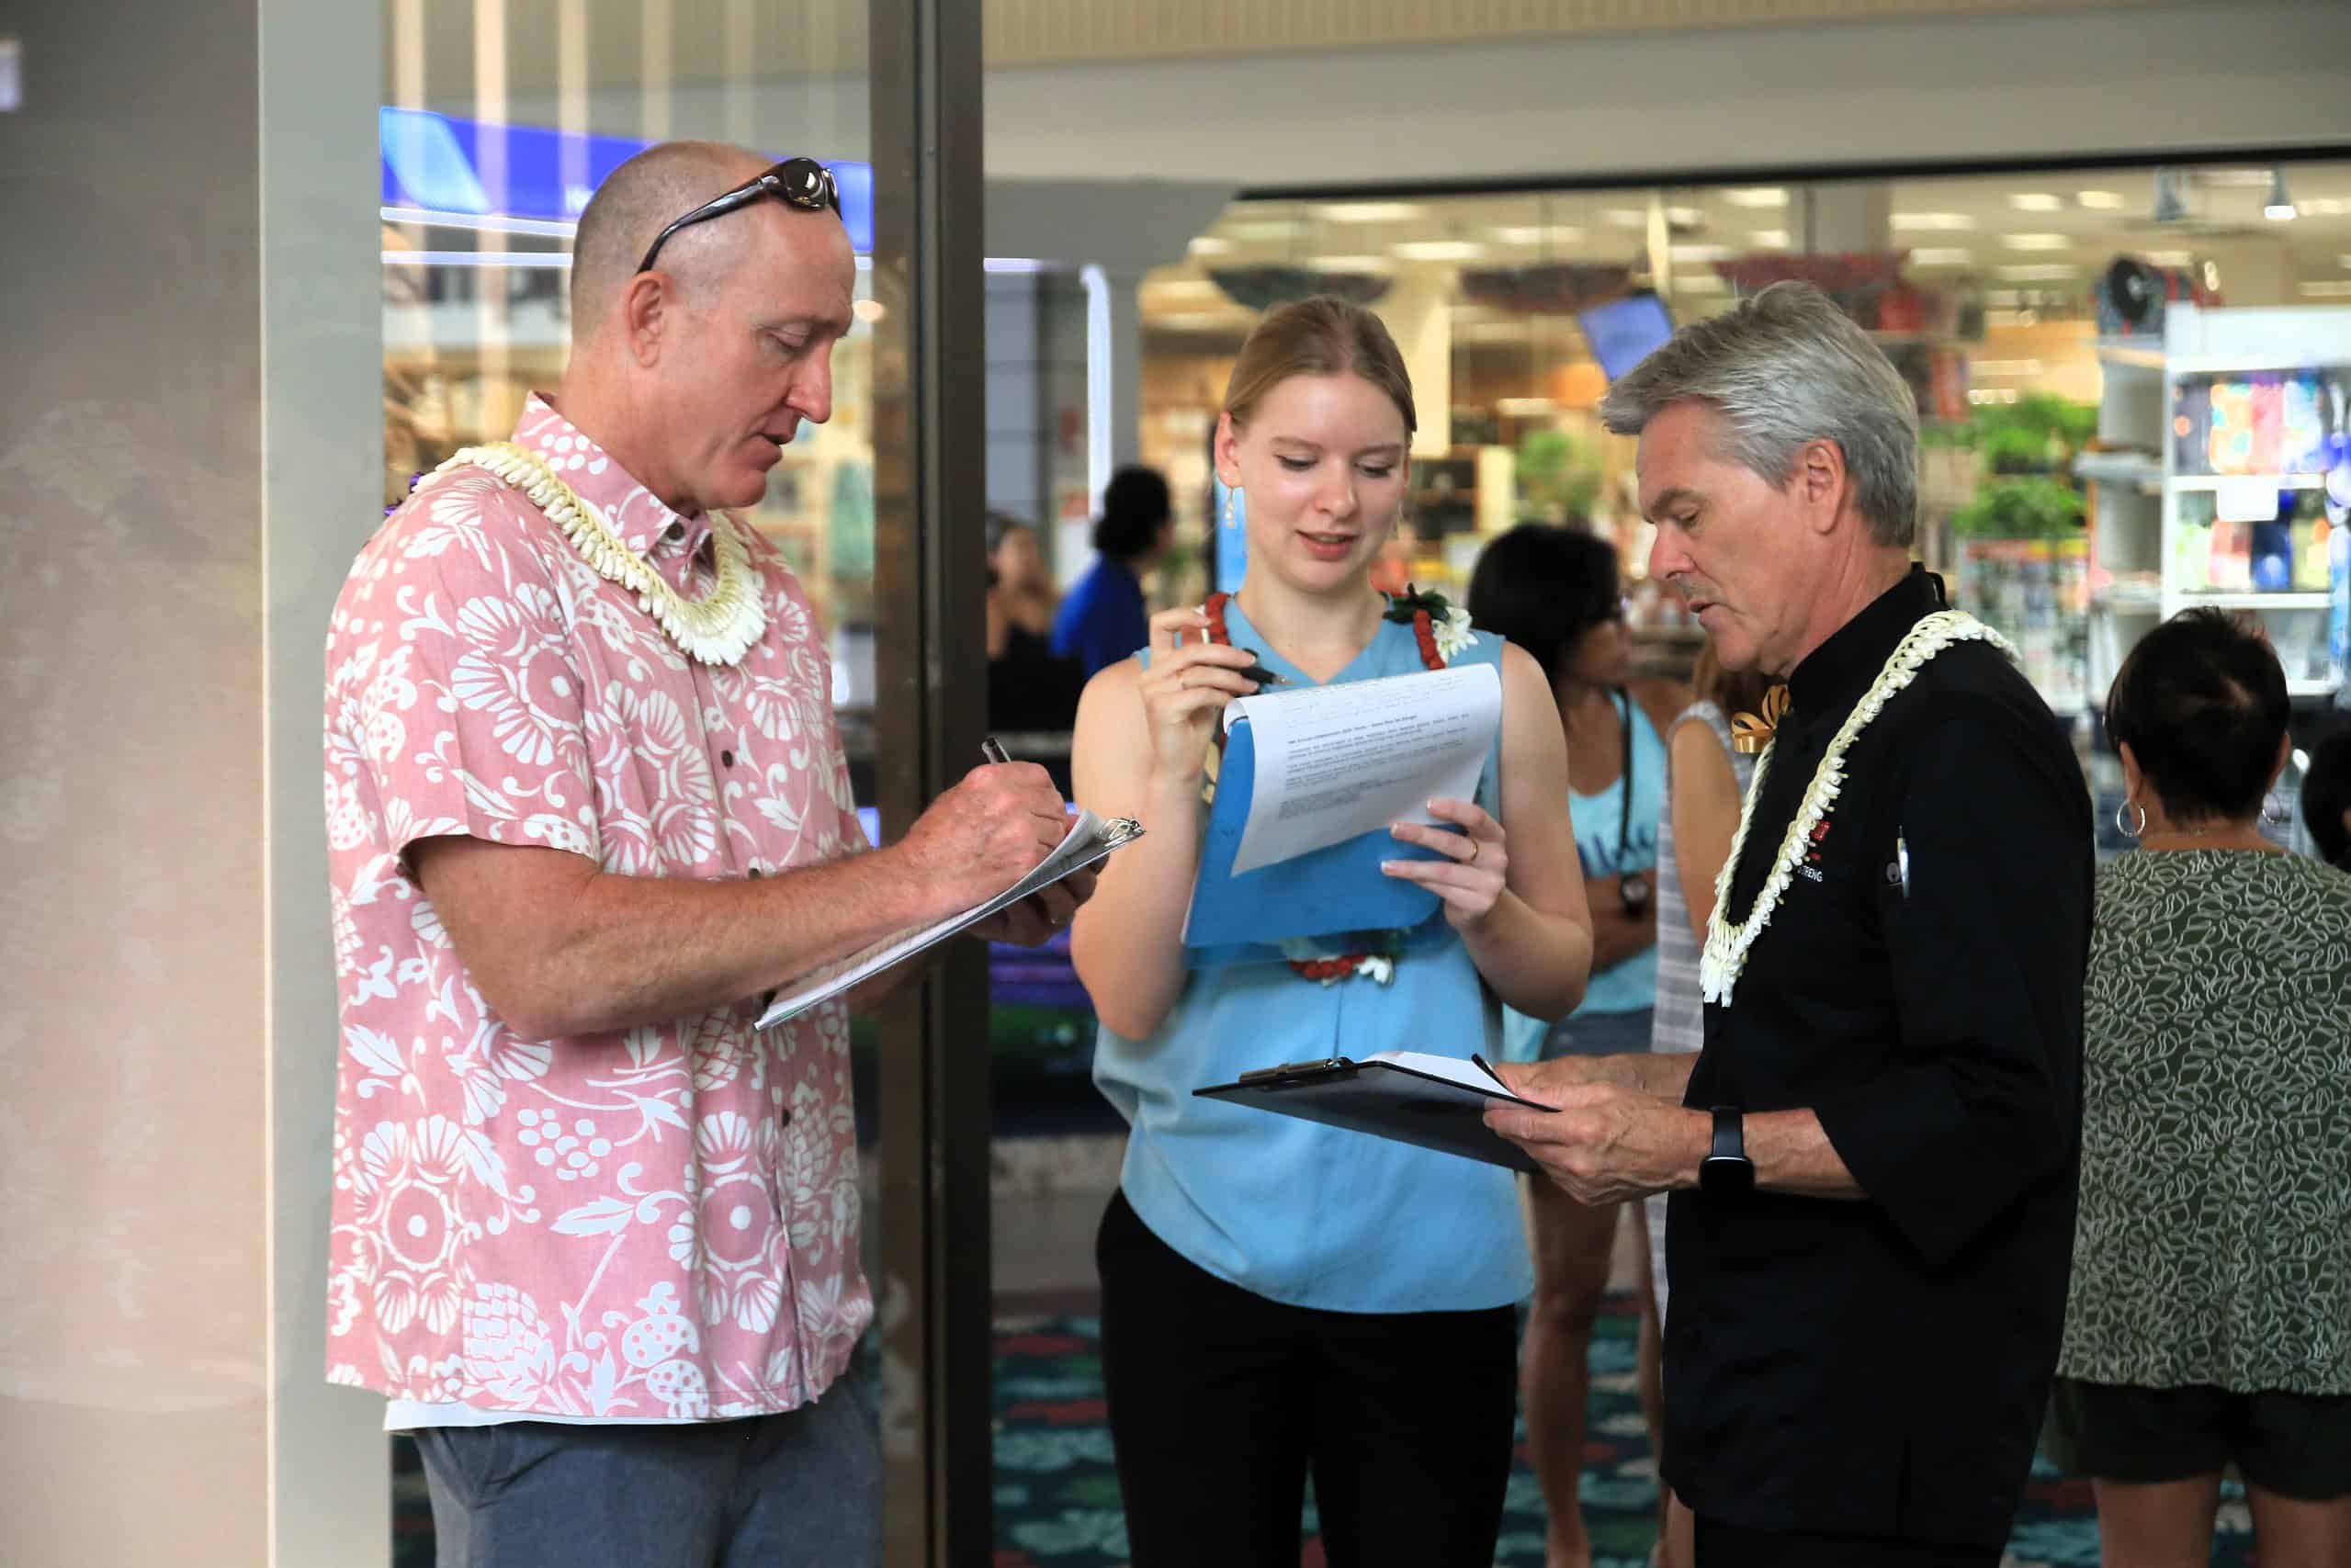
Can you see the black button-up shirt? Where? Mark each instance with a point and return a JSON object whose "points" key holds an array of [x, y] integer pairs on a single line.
{"points": [[1879, 1367]]}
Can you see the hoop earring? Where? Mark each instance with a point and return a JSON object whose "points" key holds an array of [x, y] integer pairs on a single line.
{"points": [[2130, 832]]}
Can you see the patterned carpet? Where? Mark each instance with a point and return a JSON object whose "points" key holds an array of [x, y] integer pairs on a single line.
{"points": [[1056, 1494]]}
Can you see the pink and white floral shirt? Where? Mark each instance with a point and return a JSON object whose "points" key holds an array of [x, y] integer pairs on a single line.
{"points": [[656, 1224]]}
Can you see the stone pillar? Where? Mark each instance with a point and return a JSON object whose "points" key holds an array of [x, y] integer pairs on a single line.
{"points": [[1114, 372], [1418, 313], [191, 460]]}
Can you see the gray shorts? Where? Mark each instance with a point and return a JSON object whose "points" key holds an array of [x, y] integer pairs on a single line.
{"points": [[799, 1489], [1599, 1034]]}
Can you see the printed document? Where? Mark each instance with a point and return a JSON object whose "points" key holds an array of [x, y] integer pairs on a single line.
{"points": [[1334, 763], [1089, 839]]}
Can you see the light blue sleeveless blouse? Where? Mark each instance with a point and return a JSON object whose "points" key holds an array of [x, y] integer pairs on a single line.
{"points": [[1301, 1214]]}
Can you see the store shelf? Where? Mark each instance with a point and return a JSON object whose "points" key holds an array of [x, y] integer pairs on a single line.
{"points": [[2119, 468], [2256, 601], [2140, 353], [2214, 481]]}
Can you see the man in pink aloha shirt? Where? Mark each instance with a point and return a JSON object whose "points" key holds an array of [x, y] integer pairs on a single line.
{"points": [[595, 1233]]}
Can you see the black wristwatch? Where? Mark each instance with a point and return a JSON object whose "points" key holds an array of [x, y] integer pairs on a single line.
{"points": [[1633, 888], [1726, 1171]]}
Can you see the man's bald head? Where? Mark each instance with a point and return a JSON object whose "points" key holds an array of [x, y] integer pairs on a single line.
{"points": [[637, 201]]}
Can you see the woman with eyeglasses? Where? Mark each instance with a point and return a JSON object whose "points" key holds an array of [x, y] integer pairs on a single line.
{"points": [[1555, 592]]}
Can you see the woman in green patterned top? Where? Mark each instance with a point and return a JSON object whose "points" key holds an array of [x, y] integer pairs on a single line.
{"points": [[2209, 1322]]}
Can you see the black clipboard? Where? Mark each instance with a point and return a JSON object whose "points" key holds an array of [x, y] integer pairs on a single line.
{"points": [[1387, 1100]]}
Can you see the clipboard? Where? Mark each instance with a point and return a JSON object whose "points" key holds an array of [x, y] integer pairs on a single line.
{"points": [[1409, 1103]]}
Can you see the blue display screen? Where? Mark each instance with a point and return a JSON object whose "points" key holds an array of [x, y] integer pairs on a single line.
{"points": [[1625, 332], [446, 164]]}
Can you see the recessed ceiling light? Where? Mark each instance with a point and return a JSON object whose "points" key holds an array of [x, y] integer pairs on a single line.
{"points": [[1627, 217], [1770, 239], [1700, 253], [2100, 201], [1210, 246], [1684, 214], [1369, 211], [1350, 264], [1533, 234], [1756, 196], [2040, 272], [2035, 201], [1438, 250], [2170, 258], [1941, 256], [2037, 241], [1946, 222]]}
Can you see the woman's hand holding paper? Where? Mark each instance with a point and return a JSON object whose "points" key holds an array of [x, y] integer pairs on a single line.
{"points": [[1472, 876], [1185, 689]]}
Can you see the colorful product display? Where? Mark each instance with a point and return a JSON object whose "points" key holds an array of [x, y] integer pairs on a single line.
{"points": [[2272, 422]]}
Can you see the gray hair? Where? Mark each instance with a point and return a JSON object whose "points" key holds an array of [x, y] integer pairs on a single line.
{"points": [[1785, 367]]}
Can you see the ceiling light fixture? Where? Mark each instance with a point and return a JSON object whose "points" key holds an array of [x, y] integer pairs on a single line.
{"points": [[2035, 201], [1531, 234], [1700, 253], [1369, 211], [1438, 250], [1627, 216], [1770, 239], [1933, 222], [1941, 256], [2100, 201], [2040, 272], [1756, 196], [2037, 241], [2279, 209]]}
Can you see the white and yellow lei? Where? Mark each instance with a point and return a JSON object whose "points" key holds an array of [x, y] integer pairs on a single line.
{"points": [[1726, 945], [719, 628]]}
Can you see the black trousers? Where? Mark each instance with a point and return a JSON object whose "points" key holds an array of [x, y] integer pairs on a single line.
{"points": [[1222, 1400], [1720, 1545]]}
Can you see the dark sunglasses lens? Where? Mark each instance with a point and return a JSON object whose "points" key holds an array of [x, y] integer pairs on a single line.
{"points": [[804, 183]]}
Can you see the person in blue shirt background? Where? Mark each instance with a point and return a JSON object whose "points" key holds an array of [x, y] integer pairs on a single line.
{"points": [[1104, 619], [1555, 592]]}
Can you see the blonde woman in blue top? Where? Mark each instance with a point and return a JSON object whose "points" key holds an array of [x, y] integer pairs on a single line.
{"points": [[1281, 1298]]}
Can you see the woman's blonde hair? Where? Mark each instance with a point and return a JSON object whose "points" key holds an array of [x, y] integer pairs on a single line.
{"points": [[1320, 336]]}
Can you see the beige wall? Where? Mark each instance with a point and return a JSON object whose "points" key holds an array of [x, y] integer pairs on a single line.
{"points": [[159, 620]]}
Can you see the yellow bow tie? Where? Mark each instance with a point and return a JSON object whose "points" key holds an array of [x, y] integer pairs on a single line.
{"points": [[1750, 733]]}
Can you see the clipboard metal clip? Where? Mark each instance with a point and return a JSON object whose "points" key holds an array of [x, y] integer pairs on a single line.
{"points": [[1292, 1072]]}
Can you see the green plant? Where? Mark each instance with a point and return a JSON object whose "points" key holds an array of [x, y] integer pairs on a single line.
{"points": [[2032, 507], [2038, 432], [1556, 475]]}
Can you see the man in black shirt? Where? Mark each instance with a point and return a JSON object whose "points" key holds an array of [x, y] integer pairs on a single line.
{"points": [[1872, 1161]]}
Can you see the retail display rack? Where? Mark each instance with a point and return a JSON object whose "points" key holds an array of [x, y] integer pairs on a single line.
{"points": [[2211, 486]]}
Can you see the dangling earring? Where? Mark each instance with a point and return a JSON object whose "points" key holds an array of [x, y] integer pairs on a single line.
{"points": [[2130, 832], [1230, 492]]}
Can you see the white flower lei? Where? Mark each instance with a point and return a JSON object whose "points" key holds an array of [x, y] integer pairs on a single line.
{"points": [[1726, 945], [717, 629]]}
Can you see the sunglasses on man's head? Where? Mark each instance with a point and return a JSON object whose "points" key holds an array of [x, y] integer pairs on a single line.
{"points": [[797, 182]]}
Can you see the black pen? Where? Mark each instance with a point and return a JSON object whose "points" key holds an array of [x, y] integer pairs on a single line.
{"points": [[1487, 1069], [1256, 671]]}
